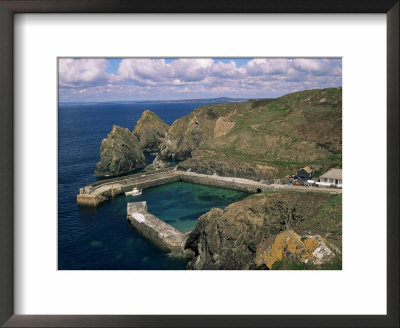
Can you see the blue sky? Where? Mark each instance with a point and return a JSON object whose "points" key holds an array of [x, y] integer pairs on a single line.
{"points": [[113, 79]]}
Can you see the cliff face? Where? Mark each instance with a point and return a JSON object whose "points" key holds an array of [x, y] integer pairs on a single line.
{"points": [[230, 238], [150, 131], [256, 140], [223, 165], [119, 153], [188, 133], [122, 151], [260, 139]]}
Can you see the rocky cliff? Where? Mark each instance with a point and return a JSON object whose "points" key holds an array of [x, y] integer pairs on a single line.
{"points": [[120, 153], [257, 140], [150, 131], [288, 250], [188, 133], [231, 238], [226, 166], [260, 139]]}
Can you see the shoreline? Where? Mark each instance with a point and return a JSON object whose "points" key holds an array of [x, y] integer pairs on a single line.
{"points": [[98, 192]]}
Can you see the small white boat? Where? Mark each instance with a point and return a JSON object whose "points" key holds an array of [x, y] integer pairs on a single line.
{"points": [[134, 192]]}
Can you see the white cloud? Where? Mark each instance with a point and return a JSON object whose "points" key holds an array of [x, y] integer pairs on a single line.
{"points": [[316, 66], [75, 72], [146, 78], [262, 66], [226, 70], [152, 71]]}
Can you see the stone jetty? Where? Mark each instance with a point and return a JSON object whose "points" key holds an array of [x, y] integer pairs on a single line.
{"points": [[159, 232], [94, 194], [162, 234]]}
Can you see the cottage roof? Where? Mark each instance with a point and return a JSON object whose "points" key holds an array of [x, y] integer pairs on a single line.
{"points": [[307, 169], [333, 174]]}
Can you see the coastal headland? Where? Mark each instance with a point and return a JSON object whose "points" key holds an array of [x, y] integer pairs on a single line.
{"points": [[253, 147], [257, 140]]}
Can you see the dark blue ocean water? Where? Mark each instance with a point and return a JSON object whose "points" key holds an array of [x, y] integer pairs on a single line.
{"points": [[101, 238]]}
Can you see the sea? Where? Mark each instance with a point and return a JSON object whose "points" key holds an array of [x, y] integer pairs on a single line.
{"points": [[101, 238]]}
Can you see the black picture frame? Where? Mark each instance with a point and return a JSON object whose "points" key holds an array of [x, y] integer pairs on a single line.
{"points": [[10, 7]]}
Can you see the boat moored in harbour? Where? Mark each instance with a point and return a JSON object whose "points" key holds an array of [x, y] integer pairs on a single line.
{"points": [[134, 192]]}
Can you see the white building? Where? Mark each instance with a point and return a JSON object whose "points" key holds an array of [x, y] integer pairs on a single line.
{"points": [[332, 177]]}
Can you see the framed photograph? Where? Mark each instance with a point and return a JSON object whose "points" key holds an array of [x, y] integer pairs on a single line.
{"points": [[184, 165], [272, 129]]}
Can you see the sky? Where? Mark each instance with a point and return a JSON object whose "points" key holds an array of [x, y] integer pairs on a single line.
{"points": [[130, 79]]}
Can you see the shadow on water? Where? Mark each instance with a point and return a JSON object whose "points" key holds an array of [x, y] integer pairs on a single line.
{"points": [[206, 198], [192, 217]]}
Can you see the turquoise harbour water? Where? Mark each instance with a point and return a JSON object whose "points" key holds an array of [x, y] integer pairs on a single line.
{"points": [[101, 238], [109, 241]]}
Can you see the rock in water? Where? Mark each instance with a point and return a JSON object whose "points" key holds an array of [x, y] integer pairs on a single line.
{"points": [[150, 131], [119, 153]]}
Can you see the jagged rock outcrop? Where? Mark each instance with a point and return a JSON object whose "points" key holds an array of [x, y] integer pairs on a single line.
{"points": [[188, 133], [119, 153], [158, 163], [290, 247], [285, 244], [258, 140], [230, 238], [319, 249], [122, 151], [150, 131]]}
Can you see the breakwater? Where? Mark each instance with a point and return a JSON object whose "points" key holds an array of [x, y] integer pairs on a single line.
{"points": [[94, 194], [162, 234]]}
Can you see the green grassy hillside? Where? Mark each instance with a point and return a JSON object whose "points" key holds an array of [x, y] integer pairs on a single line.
{"points": [[299, 129]]}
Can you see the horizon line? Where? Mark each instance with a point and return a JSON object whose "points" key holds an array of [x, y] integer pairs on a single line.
{"points": [[154, 100], [187, 99]]}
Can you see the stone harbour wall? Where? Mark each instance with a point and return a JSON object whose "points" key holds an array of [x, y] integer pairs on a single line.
{"points": [[89, 200], [156, 183], [160, 233], [92, 196], [214, 182]]}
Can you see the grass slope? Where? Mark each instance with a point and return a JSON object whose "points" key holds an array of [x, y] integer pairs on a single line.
{"points": [[299, 129]]}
